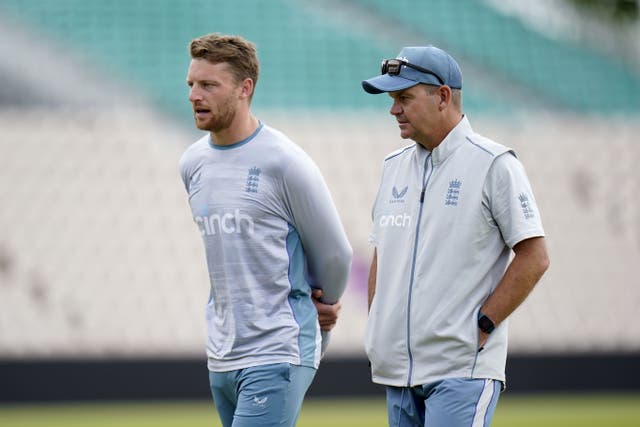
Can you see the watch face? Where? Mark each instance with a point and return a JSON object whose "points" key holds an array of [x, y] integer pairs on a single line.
{"points": [[485, 324]]}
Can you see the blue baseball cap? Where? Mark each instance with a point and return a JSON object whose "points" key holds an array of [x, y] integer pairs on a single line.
{"points": [[414, 65]]}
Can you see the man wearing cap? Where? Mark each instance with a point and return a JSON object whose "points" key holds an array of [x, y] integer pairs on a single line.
{"points": [[459, 245]]}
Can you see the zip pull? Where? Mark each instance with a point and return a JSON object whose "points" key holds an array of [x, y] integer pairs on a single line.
{"points": [[422, 195]]}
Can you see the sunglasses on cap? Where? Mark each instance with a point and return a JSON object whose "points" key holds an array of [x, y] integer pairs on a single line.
{"points": [[393, 66]]}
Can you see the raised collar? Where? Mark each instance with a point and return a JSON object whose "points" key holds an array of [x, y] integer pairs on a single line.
{"points": [[452, 141]]}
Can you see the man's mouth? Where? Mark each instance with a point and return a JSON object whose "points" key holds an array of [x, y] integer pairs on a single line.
{"points": [[201, 111]]}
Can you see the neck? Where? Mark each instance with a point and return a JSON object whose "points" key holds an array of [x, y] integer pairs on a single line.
{"points": [[241, 128], [449, 122]]}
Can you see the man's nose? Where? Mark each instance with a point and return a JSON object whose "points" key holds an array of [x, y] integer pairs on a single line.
{"points": [[194, 94], [395, 109]]}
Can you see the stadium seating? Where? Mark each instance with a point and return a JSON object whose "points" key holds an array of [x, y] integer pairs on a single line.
{"points": [[99, 257], [566, 74], [320, 68]]}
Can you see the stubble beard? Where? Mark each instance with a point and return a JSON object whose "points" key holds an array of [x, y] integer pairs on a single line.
{"points": [[219, 121]]}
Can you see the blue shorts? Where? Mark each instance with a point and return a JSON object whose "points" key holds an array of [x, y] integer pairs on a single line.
{"points": [[266, 395], [455, 402]]}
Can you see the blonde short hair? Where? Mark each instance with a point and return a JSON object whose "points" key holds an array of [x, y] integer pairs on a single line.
{"points": [[236, 51]]}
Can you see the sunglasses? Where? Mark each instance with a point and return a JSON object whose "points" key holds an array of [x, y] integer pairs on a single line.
{"points": [[393, 66]]}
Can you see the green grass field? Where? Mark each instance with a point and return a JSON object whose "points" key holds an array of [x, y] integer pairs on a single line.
{"points": [[513, 411]]}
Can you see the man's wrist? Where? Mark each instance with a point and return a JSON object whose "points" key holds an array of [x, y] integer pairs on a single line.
{"points": [[485, 323]]}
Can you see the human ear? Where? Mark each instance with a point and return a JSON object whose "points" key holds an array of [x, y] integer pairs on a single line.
{"points": [[247, 88], [445, 96]]}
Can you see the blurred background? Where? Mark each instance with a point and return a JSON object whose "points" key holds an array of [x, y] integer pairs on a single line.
{"points": [[102, 272]]}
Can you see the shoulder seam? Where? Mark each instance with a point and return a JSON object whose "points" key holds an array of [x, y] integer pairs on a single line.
{"points": [[475, 144], [391, 156]]}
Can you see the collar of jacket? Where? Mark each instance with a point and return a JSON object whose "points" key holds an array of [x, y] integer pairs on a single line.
{"points": [[452, 141]]}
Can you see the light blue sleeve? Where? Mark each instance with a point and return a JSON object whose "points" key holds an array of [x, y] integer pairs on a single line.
{"points": [[509, 196], [184, 167], [316, 220], [190, 162]]}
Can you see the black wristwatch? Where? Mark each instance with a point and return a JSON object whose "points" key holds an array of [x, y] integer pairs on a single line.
{"points": [[485, 324]]}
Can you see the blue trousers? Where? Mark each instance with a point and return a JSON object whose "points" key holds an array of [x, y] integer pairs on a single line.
{"points": [[267, 395], [455, 402]]}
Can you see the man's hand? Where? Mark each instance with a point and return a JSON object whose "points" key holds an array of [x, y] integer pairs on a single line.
{"points": [[327, 313], [482, 339]]}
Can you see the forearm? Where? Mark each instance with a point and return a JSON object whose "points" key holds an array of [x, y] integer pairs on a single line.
{"points": [[315, 218], [333, 274], [373, 271], [527, 267]]}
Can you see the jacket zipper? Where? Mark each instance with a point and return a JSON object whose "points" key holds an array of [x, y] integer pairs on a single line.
{"points": [[425, 181]]}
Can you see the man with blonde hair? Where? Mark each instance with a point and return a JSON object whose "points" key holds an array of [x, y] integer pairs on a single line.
{"points": [[277, 254]]}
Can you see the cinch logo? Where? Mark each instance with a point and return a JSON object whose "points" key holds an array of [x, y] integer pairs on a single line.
{"points": [[401, 220], [398, 196], [227, 223]]}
